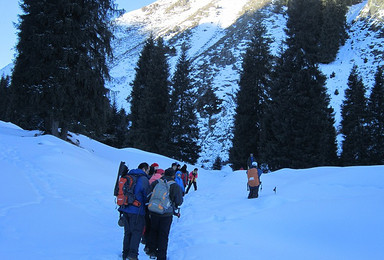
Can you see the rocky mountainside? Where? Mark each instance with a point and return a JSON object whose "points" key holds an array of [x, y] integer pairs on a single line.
{"points": [[217, 32]]}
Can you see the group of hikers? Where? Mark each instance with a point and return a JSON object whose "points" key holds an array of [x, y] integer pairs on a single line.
{"points": [[151, 199], [147, 209]]}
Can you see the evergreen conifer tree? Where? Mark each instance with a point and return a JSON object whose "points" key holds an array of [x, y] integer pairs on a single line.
{"points": [[354, 122], [117, 131], [304, 27], [251, 98], [185, 133], [333, 29], [150, 98], [298, 129], [376, 119], [4, 97], [58, 78]]}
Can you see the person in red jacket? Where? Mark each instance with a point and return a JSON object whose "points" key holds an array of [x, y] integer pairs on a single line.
{"points": [[192, 180]]}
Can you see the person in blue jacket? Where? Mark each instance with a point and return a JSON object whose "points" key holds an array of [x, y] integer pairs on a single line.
{"points": [[180, 181], [134, 216]]}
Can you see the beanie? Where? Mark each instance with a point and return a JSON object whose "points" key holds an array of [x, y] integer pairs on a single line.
{"points": [[155, 165], [169, 172]]}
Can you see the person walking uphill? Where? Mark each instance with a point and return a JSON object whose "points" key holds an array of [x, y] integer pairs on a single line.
{"points": [[134, 214], [165, 199], [253, 175], [192, 180]]}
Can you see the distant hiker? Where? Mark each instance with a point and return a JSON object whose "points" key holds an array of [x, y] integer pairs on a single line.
{"points": [[153, 168], [184, 175], [174, 166], [165, 199], [250, 160], [253, 175], [134, 215], [192, 180], [179, 180], [157, 175]]}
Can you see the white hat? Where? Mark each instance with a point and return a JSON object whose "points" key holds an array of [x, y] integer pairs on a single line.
{"points": [[254, 164]]}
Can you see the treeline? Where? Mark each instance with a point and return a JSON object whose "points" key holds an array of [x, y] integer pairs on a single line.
{"points": [[58, 82], [283, 114]]}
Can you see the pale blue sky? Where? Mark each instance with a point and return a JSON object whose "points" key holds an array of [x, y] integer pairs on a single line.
{"points": [[9, 9]]}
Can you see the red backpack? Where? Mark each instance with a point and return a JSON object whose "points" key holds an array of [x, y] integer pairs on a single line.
{"points": [[125, 187], [126, 195]]}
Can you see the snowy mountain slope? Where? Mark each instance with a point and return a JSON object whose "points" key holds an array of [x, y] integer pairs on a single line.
{"points": [[56, 202], [218, 35], [218, 32]]}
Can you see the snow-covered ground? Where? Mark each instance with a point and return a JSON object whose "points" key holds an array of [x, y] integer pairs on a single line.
{"points": [[56, 202]]}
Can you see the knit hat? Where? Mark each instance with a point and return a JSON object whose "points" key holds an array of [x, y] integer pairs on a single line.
{"points": [[169, 172], [154, 165], [254, 164]]}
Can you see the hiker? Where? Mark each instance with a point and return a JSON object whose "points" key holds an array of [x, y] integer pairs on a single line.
{"points": [[134, 215], [174, 166], [250, 160], [179, 180], [153, 168], [184, 175], [253, 175], [157, 175], [192, 180], [161, 222]]}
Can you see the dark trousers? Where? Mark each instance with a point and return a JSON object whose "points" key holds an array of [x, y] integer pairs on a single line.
{"points": [[158, 236], [133, 230], [190, 184], [147, 227], [253, 192]]}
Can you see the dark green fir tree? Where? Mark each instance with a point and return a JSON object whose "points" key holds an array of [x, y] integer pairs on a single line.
{"points": [[185, 132], [354, 122], [60, 68], [333, 30], [376, 119], [150, 117], [251, 98], [4, 97]]}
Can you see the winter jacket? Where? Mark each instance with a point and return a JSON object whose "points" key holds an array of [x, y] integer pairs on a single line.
{"points": [[141, 193], [184, 177], [179, 180], [156, 176], [192, 177], [253, 175], [175, 194]]}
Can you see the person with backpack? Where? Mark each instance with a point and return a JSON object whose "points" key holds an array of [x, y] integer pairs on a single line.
{"points": [[133, 209], [158, 173], [165, 199], [192, 180], [250, 160], [253, 175]]}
